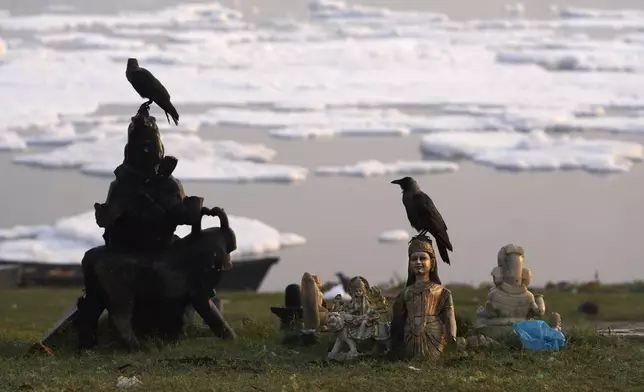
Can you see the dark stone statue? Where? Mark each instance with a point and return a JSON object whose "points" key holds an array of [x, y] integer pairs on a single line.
{"points": [[291, 314], [145, 275]]}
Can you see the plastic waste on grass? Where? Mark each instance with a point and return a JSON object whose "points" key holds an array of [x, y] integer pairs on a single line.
{"points": [[537, 335]]}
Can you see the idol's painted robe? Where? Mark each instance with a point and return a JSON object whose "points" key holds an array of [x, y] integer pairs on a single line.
{"points": [[418, 312]]}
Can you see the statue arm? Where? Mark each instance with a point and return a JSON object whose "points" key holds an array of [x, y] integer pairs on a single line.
{"points": [[491, 311], [538, 306], [448, 316], [182, 209], [398, 319], [107, 213]]}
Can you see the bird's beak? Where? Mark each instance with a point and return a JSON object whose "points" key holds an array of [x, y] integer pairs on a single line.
{"points": [[397, 182]]}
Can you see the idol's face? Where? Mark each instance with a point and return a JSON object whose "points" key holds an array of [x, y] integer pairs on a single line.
{"points": [[358, 289], [420, 263]]}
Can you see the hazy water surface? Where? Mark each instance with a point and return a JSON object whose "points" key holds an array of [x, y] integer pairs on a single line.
{"points": [[570, 223]]}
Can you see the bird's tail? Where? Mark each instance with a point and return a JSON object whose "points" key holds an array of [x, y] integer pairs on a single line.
{"points": [[442, 250], [168, 108]]}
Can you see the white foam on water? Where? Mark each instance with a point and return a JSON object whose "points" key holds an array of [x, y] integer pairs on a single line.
{"points": [[611, 124], [3, 48], [309, 71], [457, 122], [633, 38], [591, 13], [69, 238], [199, 160], [573, 53], [10, 141], [343, 121], [339, 10], [335, 291], [535, 151], [393, 236], [187, 15], [376, 168], [302, 132], [91, 41], [291, 239]]}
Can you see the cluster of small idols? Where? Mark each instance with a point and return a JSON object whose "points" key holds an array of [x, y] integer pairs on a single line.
{"points": [[423, 324]]}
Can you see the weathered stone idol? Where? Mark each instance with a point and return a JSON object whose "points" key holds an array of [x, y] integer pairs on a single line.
{"points": [[290, 314], [144, 275], [424, 320], [314, 308], [304, 313], [361, 320], [510, 300]]}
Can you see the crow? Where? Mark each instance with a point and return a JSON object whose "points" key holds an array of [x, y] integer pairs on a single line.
{"points": [[149, 87], [423, 215]]}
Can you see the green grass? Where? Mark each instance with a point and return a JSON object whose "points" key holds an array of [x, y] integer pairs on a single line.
{"points": [[256, 362]]}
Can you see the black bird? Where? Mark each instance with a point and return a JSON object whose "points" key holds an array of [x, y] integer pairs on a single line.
{"points": [[423, 215], [149, 87]]}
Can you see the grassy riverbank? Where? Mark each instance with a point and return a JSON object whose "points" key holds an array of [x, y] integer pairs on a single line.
{"points": [[257, 362]]}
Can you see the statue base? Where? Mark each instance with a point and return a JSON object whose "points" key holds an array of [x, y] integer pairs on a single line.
{"points": [[309, 338], [290, 316]]}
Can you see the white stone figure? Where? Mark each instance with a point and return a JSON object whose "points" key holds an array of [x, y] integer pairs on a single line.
{"points": [[510, 301]]}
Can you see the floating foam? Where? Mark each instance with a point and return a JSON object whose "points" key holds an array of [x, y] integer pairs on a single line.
{"points": [[69, 238], [399, 54], [312, 132], [590, 13], [339, 10], [341, 120], [291, 239], [345, 55], [91, 41], [186, 15], [199, 160], [375, 130], [3, 48], [376, 168], [478, 122], [520, 118], [302, 132], [588, 62], [393, 236], [335, 291], [535, 151], [636, 39], [10, 141], [606, 124]]}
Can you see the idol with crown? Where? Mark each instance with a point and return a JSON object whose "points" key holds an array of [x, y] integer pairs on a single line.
{"points": [[424, 321]]}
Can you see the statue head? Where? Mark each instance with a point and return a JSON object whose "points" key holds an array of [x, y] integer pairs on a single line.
{"points": [[510, 260], [358, 287], [421, 261], [334, 321], [144, 150]]}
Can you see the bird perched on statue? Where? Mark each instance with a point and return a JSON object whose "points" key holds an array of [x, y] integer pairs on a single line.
{"points": [[423, 215], [149, 87]]}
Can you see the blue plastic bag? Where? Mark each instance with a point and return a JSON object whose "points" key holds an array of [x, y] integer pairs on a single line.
{"points": [[536, 335]]}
